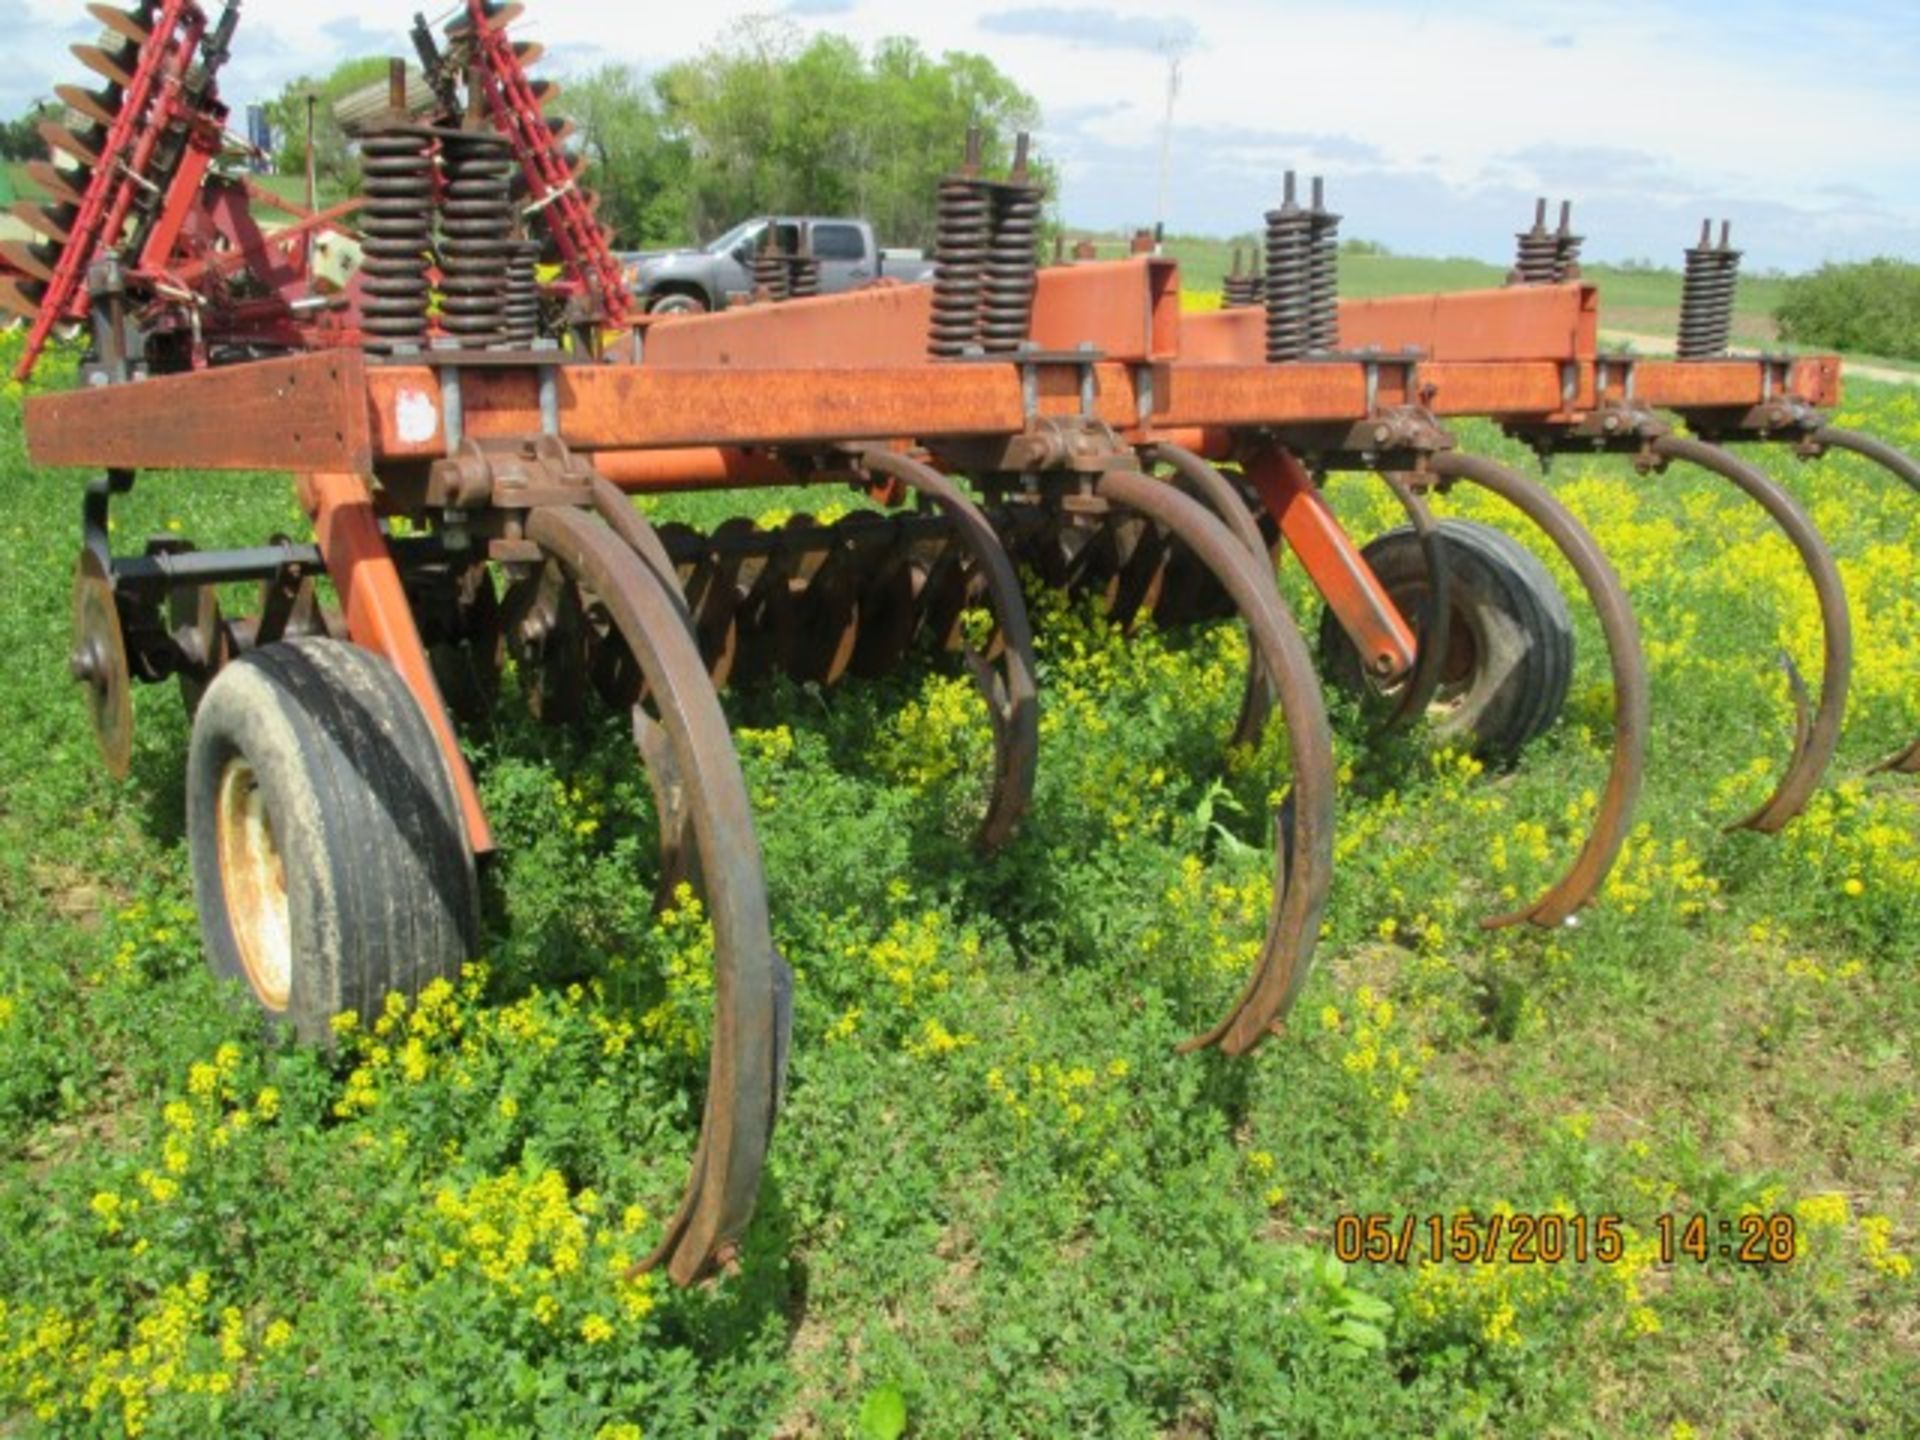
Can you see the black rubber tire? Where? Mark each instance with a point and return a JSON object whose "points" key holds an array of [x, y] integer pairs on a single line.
{"points": [[379, 889], [1510, 642], [678, 302]]}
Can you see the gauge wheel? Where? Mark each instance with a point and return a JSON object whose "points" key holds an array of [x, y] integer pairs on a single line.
{"points": [[1509, 654], [330, 861]]}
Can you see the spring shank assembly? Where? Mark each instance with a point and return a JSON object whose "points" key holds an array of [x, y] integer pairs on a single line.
{"points": [[1006, 300], [1707, 292], [398, 224], [477, 244], [1301, 287], [1547, 257], [1241, 290], [1289, 278], [963, 229]]}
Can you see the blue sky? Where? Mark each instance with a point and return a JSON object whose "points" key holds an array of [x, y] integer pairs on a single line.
{"points": [[1434, 123]]}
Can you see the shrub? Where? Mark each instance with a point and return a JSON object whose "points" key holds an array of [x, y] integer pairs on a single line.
{"points": [[1873, 306]]}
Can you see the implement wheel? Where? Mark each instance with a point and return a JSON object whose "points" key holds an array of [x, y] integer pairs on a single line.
{"points": [[330, 864], [1509, 643]]}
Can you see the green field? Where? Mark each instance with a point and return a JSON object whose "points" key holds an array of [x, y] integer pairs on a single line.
{"points": [[1000, 1204]]}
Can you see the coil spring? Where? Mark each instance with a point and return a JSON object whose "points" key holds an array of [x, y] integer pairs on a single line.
{"points": [[397, 221], [523, 295], [1548, 257], [1006, 302], [1566, 247], [803, 277], [1538, 259], [476, 222], [1323, 327], [1707, 295], [770, 273], [963, 240], [1289, 259], [1240, 290]]}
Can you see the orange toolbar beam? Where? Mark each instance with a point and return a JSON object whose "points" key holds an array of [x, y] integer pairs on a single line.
{"points": [[1717, 384], [332, 411], [1521, 322], [625, 407], [304, 413]]}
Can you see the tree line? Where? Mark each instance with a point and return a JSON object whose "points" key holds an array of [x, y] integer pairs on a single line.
{"points": [[763, 120]]}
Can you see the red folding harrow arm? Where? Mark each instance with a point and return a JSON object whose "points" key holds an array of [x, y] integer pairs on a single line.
{"points": [[552, 178], [162, 127]]}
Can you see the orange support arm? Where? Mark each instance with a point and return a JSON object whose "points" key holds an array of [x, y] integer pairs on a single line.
{"points": [[379, 617], [1354, 594]]}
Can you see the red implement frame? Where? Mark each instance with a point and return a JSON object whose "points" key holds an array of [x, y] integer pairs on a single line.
{"points": [[689, 418], [152, 104]]}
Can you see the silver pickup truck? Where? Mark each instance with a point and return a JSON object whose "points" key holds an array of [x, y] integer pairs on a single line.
{"points": [[721, 271]]}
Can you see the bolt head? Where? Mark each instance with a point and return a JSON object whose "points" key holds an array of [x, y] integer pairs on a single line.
{"points": [[86, 665]]}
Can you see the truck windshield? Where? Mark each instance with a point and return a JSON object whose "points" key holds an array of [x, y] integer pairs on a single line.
{"points": [[724, 244]]}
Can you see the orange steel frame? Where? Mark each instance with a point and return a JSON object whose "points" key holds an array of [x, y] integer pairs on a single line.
{"points": [[714, 401]]}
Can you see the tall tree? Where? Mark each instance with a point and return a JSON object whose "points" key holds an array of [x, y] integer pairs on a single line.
{"points": [[639, 170], [336, 162], [20, 139], [774, 124]]}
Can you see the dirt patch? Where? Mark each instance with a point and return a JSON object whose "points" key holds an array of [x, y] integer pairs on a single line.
{"points": [[1647, 344]]}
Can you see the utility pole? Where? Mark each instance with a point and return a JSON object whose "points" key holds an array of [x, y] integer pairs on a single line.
{"points": [[1174, 47]]}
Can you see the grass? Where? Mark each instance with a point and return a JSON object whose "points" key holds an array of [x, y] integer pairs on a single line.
{"points": [[999, 1203]]}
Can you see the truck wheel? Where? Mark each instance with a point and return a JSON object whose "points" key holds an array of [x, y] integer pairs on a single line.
{"points": [[1509, 660], [330, 862], [677, 302]]}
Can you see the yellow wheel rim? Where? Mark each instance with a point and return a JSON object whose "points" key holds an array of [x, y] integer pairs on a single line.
{"points": [[254, 882]]}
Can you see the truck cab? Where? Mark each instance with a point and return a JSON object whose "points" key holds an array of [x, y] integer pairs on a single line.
{"points": [[720, 272]]}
